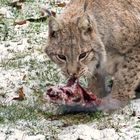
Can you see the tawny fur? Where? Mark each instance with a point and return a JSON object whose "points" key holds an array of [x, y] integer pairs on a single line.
{"points": [[109, 32]]}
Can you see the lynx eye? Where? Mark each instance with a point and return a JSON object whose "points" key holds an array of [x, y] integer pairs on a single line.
{"points": [[82, 55], [62, 57]]}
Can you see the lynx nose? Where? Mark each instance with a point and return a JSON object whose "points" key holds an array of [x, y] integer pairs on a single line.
{"points": [[73, 71], [73, 74]]}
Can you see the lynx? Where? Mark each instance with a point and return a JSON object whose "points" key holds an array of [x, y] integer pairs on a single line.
{"points": [[97, 38]]}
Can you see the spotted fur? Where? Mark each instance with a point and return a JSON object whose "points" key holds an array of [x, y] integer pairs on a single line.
{"points": [[97, 38]]}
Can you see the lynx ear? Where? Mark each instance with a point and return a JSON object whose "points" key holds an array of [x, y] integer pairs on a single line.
{"points": [[85, 23], [54, 26]]}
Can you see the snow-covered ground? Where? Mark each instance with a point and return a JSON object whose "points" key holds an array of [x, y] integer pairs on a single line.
{"points": [[23, 64]]}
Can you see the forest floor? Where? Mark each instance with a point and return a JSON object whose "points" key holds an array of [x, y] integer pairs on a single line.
{"points": [[25, 72]]}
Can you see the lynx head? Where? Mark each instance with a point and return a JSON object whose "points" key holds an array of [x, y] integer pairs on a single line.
{"points": [[73, 43]]}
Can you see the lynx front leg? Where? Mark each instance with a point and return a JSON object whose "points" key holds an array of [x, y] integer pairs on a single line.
{"points": [[126, 80], [97, 85]]}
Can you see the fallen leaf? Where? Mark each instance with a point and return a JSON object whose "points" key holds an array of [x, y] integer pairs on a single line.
{"points": [[61, 4], [43, 13], [16, 4], [24, 77], [20, 22], [21, 95]]}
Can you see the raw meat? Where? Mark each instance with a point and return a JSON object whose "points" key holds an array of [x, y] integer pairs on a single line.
{"points": [[71, 94]]}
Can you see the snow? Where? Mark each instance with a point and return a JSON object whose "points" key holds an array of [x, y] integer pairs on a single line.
{"points": [[118, 126]]}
